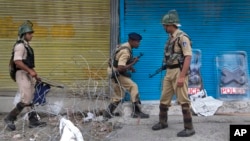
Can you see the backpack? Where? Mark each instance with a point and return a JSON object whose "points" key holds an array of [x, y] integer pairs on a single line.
{"points": [[12, 65]]}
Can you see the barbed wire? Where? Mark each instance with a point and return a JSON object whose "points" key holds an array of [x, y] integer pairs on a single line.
{"points": [[67, 103]]}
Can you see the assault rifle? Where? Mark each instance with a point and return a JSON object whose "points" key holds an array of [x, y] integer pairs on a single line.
{"points": [[115, 74], [140, 55], [127, 73], [164, 67]]}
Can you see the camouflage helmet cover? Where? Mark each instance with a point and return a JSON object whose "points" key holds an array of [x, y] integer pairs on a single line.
{"points": [[171, 18]]}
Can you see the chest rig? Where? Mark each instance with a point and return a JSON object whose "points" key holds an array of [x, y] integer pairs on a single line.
{"points": [[29, 61], [173, 57], [115, 62]]}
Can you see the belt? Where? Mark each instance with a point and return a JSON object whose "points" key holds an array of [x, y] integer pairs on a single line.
{"points": [[18, 69], [173, 66]]}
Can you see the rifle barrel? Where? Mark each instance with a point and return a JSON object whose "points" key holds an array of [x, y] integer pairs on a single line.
{"points": [[158, 71]]}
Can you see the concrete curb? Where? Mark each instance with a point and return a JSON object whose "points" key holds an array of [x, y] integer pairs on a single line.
{"points": [[61, 105], [228, 108]]}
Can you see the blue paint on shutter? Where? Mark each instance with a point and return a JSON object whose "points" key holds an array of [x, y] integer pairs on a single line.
{"points": [[214, 26]]}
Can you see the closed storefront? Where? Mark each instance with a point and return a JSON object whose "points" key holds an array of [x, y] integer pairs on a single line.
{"points": [[214, 27], [71, 39]]}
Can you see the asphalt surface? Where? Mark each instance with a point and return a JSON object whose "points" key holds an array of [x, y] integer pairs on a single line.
{"points": [[213, 128]]}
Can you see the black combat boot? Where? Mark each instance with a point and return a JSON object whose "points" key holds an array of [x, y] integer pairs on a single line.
{"points": [[136, 111], [163, 118], [12, 116], [34, 120], [111, 108], [187, 119]]}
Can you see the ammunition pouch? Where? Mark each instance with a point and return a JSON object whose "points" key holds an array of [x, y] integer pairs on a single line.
{"points": [[180, 63], [115, 75], [115, 63], [126, 74]]}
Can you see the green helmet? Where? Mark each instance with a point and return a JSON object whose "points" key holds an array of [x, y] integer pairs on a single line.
{"points": [[26, 27], [171, 18]]}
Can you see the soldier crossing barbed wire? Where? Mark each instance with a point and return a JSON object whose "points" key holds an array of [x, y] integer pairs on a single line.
{"points": [[121, 63]]}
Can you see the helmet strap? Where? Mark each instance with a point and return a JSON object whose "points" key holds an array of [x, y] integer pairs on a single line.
{"points": [[21, 37]]}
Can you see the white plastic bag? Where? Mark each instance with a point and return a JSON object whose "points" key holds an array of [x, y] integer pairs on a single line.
{"points": [[206, 106], [68, 131]]}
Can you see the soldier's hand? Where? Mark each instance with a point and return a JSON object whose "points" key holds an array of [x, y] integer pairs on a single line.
{"points": [[38, 79], [180, 81], [33, 73], [132, 69], [136, 59]]}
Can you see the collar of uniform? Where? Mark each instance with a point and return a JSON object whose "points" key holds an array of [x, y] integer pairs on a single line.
{"points": [[26, 43], [175, 33], [127, 45]]}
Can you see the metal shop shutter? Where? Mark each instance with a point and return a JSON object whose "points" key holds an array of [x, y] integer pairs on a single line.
{"points": [[71, 40], [214, 26]]}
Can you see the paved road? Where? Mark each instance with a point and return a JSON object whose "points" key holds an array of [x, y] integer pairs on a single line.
{"points": [[213, 128]]}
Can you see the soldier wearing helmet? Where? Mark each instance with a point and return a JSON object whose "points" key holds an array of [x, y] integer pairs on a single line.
{"points": [[177, 54], [25, 76]]}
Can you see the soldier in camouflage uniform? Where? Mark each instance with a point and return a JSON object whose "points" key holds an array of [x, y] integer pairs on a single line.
{"points": [[177, 54]]}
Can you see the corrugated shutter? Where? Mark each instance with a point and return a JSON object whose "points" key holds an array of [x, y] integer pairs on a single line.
{"points": [[71, 40], [214, 27]]}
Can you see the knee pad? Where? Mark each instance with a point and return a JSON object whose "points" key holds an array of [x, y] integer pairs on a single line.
{"points": [[22, 105]]}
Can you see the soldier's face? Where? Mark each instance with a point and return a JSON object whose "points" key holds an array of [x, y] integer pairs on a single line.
{"points": [[169, 28], [28, 36], [135, 44]]}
